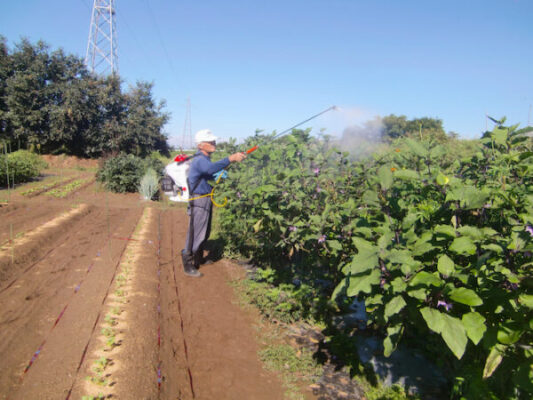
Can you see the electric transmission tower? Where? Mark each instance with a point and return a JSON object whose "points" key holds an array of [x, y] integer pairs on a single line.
{"points": [[101, 56]]}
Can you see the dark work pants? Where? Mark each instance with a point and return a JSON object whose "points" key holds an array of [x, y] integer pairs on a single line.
{"points": [[200, 211]]}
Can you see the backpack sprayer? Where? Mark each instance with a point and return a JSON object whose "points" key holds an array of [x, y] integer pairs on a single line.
{"points": [[174, 183]]}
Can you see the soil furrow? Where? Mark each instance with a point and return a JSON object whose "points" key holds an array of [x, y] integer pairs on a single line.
{"points": [[34, 303]]}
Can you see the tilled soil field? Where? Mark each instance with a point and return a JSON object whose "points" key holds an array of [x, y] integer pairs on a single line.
{"points": [[94, 302]]}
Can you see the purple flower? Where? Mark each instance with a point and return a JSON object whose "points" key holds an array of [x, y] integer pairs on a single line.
{"points": [[382, 282], [238, 195], [529, 230], [322, 239], [447, 306], [510, 286], [316, 171], [318, 189], [293, 228]]}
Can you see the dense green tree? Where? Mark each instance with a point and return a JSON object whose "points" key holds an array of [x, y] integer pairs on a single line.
{"points": [[145, 120], [5, 71], [49, 101], [399, 126], [26, 95]]}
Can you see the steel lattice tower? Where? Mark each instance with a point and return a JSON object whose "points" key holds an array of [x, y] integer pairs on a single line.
{"points": [[101, 56]]}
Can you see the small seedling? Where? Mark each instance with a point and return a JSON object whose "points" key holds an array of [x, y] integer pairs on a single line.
{"points": [[99, 396], [121, 281], [116, 311], [111, 343], [98, 380], [110, 320], [108, 332], [120, 293], [100, 365]]}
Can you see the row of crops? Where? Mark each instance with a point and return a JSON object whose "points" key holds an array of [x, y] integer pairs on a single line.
{"points": [[435, 236]]}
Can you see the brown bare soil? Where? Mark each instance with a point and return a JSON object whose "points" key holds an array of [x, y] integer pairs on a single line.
{"points": [[62, 282]]}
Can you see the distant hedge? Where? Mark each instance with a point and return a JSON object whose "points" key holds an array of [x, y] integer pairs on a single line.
{"points": [[21, 166], [123, 173]]}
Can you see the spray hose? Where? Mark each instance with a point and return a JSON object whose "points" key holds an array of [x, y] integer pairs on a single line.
{"points": [[251, 150]]}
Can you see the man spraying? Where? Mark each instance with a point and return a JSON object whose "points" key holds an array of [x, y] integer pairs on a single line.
{"points": [[200, 209]]}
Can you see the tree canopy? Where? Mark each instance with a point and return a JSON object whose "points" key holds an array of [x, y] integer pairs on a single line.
{"points": [[399, 126], [49, 101]]}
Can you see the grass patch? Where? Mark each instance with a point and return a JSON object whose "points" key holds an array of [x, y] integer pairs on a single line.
{"points": [[296, 367]]}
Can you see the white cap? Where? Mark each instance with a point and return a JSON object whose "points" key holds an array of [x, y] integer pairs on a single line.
{"points": [[204, 135]]}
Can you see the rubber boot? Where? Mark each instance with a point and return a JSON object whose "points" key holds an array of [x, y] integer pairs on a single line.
{"points": [[189, 264], [199, 258]]}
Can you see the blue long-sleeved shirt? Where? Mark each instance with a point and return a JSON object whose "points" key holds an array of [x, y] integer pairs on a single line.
{"points": [[202, 170]]}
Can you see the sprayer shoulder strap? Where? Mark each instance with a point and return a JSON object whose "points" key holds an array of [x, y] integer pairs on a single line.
{"points": [[192, 189]]}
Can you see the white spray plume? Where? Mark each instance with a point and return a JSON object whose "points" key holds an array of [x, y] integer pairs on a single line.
{"points": [[353, 129]]}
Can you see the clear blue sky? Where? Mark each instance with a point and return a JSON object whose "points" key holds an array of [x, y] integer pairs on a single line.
{"points": [[270, 64]]}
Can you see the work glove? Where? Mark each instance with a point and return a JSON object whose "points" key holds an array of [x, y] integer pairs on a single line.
{"points": [[222, 174]]}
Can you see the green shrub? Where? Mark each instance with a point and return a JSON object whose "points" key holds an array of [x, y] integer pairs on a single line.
{"points": [[123, 173], [149, 185], [22, 165]]}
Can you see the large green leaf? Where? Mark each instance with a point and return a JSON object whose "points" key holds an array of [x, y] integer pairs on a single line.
{"points": [[474, 324], [362, 244], [499, 135], [341, 287], [445, 265], [447, 230], [426, 279], [454, 334], [526, 300], [363, 261], [363, 283], [450, 328], [468, 196], [509, 332], [398, 285], [493, 360], [463, 245], [370, 197], [394, 333], [393, 307], [465, 296], [433, 319], [406, 174], [442, 179], [385, 177], [471, 231], [334, 245], [417, 148]]}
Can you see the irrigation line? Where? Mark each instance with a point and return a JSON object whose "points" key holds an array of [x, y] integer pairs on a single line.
{"points": [[98, 316], [38, 351], [33, 265], [191, 384], [12, 244], [159, 375]]}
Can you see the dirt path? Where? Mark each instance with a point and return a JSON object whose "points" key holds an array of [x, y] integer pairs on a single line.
{"points": [[189, 331]]}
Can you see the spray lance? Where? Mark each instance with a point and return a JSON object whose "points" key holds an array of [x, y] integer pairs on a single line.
{"points": [[254, 148], [182, 158]]}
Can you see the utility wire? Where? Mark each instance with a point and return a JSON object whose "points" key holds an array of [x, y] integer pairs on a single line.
{"points": [[154, 21]]}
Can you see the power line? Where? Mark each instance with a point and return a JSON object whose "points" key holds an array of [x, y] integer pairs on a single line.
{"points": [[160, 37]]}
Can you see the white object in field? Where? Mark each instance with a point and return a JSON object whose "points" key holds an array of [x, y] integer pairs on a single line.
{"points": [[179, 173]]}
